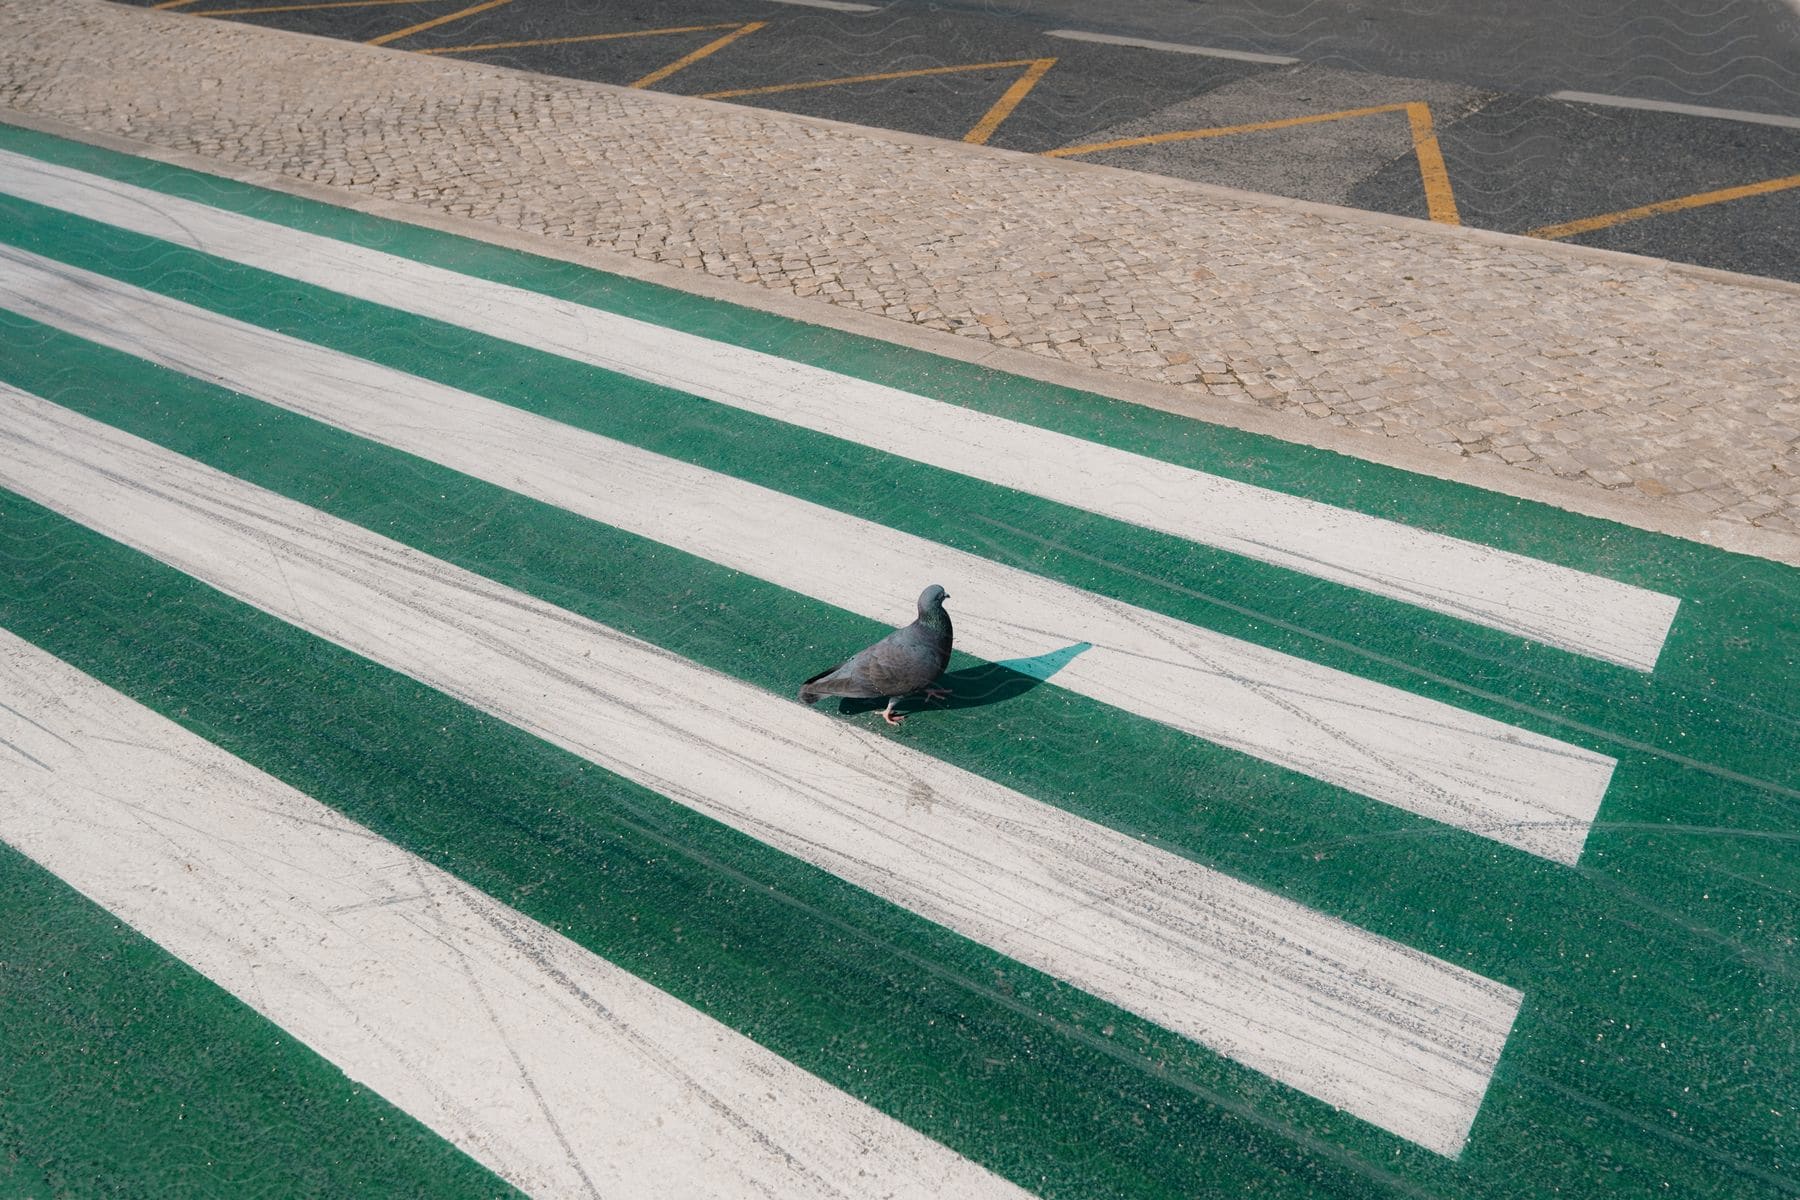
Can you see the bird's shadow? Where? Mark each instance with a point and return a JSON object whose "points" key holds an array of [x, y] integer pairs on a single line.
{"points": [[978, 686]]}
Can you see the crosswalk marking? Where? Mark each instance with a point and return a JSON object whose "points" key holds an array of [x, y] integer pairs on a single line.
{"points": [[1405, 1041], [1469, 771], [1049, 929], [560, 1072], [1574, 610]]}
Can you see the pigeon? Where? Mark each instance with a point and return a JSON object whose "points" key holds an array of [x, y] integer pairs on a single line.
{"points": [[903, 662]]}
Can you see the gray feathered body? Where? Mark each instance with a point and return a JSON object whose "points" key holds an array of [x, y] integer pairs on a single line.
{"points": [[905, 661]]}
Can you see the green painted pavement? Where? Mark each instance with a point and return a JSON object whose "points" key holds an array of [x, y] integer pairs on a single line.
{"points": [[992, 1058], [1284, 609], [124, 1072], [1664, 963], [1546, 533], [1608, 708], [768, 636], [1503, 676]]}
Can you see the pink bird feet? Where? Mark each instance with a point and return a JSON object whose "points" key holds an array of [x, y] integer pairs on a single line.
{"points": [[893, 718]]}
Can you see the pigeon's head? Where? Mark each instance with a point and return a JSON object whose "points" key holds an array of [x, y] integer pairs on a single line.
{"points": [[931, 600]]}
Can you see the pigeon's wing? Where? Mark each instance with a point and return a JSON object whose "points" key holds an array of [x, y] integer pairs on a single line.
{"points": [[848, 678], [902, 662], [899, 663]]}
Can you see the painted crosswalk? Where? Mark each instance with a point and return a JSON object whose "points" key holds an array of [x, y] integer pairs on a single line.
{"points": [[1433, 759], [1585, 613], [1401, 1039], [487, 1026], [1257, 811]]}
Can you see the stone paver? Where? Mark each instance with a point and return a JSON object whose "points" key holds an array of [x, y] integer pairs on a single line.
{"points": [[1623, 375]]}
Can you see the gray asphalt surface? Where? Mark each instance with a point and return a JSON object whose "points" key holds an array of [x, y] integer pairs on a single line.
{"points": [[1721, 53], [1515, 160]]}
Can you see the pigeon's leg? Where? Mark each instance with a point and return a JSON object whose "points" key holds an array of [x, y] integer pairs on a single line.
{"points": [[889, 715], [937, 693]]}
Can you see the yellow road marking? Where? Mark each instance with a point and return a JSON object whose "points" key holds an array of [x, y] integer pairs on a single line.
{"points": [[1003, 107], [1184, 135], [172, 3], [281, 8], [1697, 200], [585, 37], [984, 128], [824, 83], [688, 60], [470, 11], [1440, 201]]}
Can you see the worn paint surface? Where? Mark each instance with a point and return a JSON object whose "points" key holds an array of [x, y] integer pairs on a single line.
{"points": [[1653, 966]]}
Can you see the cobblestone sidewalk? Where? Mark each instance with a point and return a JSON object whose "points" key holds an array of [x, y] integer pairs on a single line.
{"points": [[1623, 374]]}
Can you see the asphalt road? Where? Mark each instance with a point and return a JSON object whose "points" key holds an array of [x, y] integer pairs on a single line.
{"points": [[1513, 157], [1736, 55]]}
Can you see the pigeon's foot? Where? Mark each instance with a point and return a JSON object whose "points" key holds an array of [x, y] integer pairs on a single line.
{"points": [[937, 693], [889, 715]]}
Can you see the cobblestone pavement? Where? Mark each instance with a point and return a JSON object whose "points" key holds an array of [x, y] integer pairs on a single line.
{"points": [[1623, 374]]}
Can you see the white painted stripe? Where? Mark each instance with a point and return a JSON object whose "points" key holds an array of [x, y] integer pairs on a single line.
{"points": [[1401, 1039], [1434, 759], [1671, 106], [1108, 39], [1553, 604], [558, 1071], [833, 5]]}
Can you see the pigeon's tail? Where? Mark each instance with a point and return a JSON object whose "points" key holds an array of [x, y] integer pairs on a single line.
{"points": [[807, 695]]}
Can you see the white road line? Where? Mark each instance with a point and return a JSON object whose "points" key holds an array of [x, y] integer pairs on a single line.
{"points": [[833, 5], [1556, 605], [1427, 757], [1403, 1040], [1670, 106], [1107, 39], [560, 1072]]}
